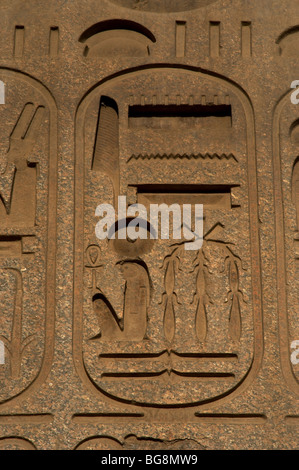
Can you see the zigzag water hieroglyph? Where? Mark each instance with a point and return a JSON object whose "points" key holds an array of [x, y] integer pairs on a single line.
{"points": [[172, 156]]}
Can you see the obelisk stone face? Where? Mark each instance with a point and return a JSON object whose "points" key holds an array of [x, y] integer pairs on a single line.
{"points": [[149, 237]]}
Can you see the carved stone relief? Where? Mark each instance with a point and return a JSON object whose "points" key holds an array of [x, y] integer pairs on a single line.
{"points": [[142, 342], [124, 343], [286, 177], [27, 178]]}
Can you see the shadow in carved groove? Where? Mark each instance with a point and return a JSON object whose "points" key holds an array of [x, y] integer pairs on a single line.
{"points": [[288, 43], [117, 38]]}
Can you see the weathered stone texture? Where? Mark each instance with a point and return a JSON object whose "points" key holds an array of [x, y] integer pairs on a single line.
{"points": [[144, 344]]}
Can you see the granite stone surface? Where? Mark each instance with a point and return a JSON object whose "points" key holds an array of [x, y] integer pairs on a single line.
{"points": [[155, 342]]}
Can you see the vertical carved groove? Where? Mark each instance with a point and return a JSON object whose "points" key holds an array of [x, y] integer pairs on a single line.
{"points": [[235, 311], [54, 42], [201, 296], [169, 320], [171, 264], [19, 41], [201, 325], [106, 151], [246, 39], [214, 38], [180, 39], [235, 319]]}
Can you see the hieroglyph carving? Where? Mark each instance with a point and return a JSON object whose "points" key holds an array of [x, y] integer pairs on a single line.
{"points": [[286, 179], [18, 207], [136, 301], [132, 325], [28, 165], [16, 345]]}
